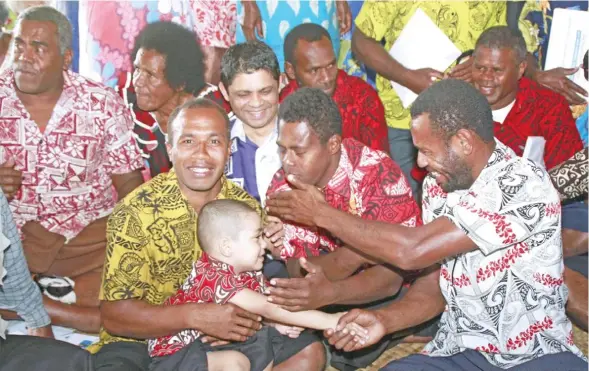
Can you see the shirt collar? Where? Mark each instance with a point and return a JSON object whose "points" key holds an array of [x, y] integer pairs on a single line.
{"points": [[209, 262], [238, 130], [500, 156], [217, 265]]}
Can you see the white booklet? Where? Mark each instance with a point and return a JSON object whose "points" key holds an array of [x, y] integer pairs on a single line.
{"points": [[569, 41], [421, 44]]}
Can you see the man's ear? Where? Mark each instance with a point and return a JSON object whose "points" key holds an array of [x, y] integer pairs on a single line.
{"points": [[67, 59], [170, 150], [464, 140], [224, 91], [334, 144], [522, 69], [289, 70]]}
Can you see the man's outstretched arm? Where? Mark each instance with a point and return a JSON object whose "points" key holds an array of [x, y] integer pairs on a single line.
{"points": [[404, 247]]}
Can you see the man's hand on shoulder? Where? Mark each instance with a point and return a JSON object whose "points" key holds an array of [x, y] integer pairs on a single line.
{"points": [[557, 80]]}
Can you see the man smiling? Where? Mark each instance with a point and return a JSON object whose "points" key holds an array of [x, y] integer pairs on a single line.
{"points": [[152, 246], [249, 81]]}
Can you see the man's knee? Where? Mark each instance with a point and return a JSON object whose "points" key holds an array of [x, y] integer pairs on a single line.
{"points": [[229, 360], [577, 307], [313, 357]]}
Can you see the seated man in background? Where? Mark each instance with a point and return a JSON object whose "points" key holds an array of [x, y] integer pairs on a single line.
{"points": [[19, 292], [523, 108], [354, 179], [152, 245], [311, 62], [65, 142], [168, 70], [249, 82]]}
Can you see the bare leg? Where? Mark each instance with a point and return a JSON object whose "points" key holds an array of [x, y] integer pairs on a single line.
{"points": [[227, 360], [574, 242], [212, 61], [577, 304], [311, 358]]}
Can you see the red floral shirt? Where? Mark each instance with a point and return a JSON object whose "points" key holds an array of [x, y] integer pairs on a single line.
{"points": [[539, 111], [66, 170], [367, 183], [361, 110], [211, 281]]}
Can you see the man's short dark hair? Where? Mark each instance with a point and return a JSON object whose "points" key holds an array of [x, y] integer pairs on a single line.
{"points": [[309, 32], [248, 57], [501, 37], [195, 103], [314, 107], [453, 105], [180, 48]]}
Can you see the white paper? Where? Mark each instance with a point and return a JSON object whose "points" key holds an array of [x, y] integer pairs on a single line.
{"points": [[421, 44], [534, 150], [69, 335], [569, 41]]}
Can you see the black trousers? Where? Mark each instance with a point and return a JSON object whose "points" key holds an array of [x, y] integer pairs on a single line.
{"points": [[23, 353]]}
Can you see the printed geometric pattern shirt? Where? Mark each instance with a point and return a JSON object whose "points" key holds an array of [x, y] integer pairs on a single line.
{"points": [[361, 110], [211, 281], [67, 169], [460, 21], [538, 111], [367, 183], [151, 242], [506, 298]]}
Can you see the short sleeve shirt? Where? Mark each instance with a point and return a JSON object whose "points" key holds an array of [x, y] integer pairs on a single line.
{"points": [[539, 111], [152, 244], [67, 169], [211, 281], [505, 299], [367, 183], [460, 21]]}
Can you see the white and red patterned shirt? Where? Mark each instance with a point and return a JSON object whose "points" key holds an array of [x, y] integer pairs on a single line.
{"points": [[67, 169], [211, 281], [367, 183], [505, 299]]}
